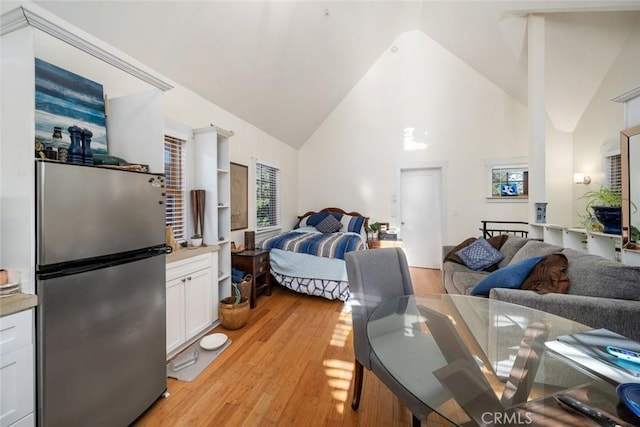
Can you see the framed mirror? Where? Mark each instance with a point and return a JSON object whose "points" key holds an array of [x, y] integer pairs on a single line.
{"points": [[630, 169]]}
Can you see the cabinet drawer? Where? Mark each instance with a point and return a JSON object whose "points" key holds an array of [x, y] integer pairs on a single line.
{"points": [[16, 331], [189, 265], [263, 260]]}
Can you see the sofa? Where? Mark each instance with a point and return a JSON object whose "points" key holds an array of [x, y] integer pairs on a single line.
{"points": [[601, 293]]}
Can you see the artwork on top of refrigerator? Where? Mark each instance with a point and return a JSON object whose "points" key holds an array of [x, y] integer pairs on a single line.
{"points": [[64, 99]]}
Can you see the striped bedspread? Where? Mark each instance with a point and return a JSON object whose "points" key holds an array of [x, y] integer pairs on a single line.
{"points": [[334, 245]]}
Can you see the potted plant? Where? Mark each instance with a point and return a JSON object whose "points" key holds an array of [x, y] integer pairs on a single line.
{"points": [[373, 230], [234, 311], [196, 240], [606, 205]]}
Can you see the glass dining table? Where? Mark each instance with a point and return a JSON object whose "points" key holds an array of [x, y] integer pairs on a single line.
{"points": [[477, 361]]}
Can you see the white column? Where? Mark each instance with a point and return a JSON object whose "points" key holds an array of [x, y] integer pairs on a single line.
{"points": [[537, 111]]}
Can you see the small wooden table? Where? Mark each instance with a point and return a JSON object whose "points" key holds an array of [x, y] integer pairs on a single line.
{"points": [[256, 263]]}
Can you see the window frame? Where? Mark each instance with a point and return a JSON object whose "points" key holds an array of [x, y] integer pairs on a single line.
{"points": [[516, 163], [179, 226], [277, 210]]}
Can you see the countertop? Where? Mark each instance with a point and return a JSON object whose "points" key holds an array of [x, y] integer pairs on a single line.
{"points": [[18, 302], [183, 253]]}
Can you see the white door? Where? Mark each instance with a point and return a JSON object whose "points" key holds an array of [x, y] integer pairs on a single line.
{"points": [[421, 216]]}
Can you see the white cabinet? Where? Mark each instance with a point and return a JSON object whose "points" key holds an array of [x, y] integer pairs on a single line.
{"points": [[213, 174], [17, 381], [192, 299]]}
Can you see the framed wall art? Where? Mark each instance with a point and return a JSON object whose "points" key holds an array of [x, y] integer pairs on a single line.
{"points": [[65, 99], [239, 196]]}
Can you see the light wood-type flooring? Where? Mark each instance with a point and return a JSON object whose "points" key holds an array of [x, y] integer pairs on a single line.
{"points": [[291, 365]]}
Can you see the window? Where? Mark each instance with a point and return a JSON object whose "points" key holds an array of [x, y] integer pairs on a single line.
{"points": [[613, 173], [174, 171], [267, 196], [509, 182]]}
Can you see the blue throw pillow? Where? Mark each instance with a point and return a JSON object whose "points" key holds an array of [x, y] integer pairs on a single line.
{"points": [[480, 254], [510, 276]]}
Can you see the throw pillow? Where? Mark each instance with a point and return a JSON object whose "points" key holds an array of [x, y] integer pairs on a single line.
{"points": [[329, 225], [480, 254], [495, 241], [548, 276], [510, 276]]}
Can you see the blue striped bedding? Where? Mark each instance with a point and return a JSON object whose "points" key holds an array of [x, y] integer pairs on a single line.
{"points": [[334, 245]]}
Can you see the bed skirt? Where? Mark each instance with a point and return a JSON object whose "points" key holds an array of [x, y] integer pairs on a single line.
{"points": [[329, 289]]}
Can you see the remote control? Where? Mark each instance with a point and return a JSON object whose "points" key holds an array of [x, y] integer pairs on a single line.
{"points": [[576, 405], [623, 353]]}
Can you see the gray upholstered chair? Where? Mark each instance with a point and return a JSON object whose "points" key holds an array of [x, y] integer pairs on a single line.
{"points": [[375, 276]]}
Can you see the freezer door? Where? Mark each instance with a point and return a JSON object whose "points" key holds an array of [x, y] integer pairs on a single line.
{"points": [[85, 212], [101, 348]]}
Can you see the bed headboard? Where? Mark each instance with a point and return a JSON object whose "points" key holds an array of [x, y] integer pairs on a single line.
{"points": [[337, 210]]}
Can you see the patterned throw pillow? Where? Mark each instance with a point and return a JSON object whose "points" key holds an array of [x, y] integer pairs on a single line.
{"points": [[329, 225], [480, 254]]}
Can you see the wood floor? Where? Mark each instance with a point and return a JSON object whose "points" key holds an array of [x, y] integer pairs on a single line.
{"points": [[291, 365]]}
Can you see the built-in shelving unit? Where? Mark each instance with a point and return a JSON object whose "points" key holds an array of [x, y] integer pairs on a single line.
{"points": [[213, 174], [591, 242]]}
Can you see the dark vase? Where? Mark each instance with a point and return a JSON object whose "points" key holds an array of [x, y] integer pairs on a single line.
{"points": [[610, 217], [87, 154], [75, 149]]}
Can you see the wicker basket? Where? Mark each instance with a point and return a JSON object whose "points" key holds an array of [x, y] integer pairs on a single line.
{"points": [[233, 316]]}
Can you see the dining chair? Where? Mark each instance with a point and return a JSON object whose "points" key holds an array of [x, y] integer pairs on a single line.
{"points": [[375, 276]]}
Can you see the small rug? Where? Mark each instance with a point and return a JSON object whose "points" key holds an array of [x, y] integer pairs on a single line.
{"points": [[205, 357]]}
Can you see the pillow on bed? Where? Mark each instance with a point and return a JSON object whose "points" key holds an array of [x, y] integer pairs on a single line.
{"points": [[353, 224], [329, 225]]}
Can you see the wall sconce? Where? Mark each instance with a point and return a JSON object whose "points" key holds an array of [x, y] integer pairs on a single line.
{"points": [[580, 178]]}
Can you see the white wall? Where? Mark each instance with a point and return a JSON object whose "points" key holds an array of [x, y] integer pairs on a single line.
{"points": [[603, 119], [183, 107], [351, 159]]}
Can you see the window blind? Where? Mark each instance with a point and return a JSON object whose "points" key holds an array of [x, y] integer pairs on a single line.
{"points": [[613, 173], [267, 196], [174, 171]]}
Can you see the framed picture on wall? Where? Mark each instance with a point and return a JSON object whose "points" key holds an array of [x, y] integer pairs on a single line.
{"points": [[239, 196]]}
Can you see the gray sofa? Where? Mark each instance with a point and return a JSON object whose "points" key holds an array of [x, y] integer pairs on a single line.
{"points": [[602, 293]]}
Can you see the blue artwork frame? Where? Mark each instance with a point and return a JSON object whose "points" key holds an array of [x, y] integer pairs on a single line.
{"points": [[64, 99]]}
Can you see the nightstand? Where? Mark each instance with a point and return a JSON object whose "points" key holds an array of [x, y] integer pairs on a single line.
{"points": [[377, 244], [256, 263]]}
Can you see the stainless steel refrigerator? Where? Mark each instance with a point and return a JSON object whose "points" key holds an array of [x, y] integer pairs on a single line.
{"points": [[100, 281]]}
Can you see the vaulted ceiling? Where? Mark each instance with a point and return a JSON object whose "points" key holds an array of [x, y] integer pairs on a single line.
{"points": [[283, 66]]}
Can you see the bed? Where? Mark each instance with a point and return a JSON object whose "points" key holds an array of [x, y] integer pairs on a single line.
{"points": [[310, 258]]}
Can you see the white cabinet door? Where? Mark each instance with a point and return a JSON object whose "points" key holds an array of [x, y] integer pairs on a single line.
{"points": [[17, 384], [175, 313], [198, 301]]}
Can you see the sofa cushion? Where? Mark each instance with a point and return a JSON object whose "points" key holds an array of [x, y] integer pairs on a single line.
{"points": [[510, 276], [534, 248], [464, 281], [595, 276], [548, 276], [510, 247], [479, 254]]}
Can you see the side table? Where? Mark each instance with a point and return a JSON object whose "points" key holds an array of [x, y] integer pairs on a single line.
{"points": [[256, 263]]}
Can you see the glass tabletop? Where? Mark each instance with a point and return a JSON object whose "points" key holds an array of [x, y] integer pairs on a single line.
{"points": [[470, 358]]}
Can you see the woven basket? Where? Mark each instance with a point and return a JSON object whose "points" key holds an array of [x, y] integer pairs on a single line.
{"points": [[233, 316], [245, 287]]}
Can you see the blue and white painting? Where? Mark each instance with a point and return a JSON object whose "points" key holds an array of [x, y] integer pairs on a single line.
{"points": [[65, 99]]}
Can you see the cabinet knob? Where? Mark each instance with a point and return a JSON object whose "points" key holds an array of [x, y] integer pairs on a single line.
{"points": [[189, 278], [183, 280]]}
